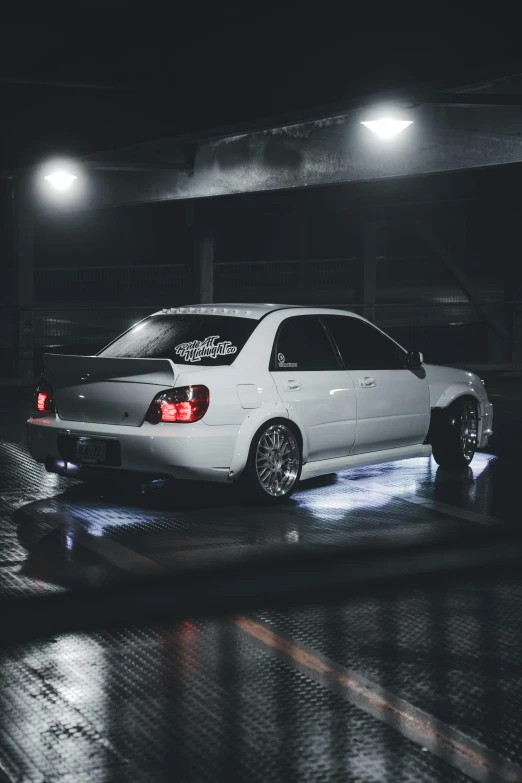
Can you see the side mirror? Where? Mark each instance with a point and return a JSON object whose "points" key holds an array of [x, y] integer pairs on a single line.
{"points": [[415, 359]]}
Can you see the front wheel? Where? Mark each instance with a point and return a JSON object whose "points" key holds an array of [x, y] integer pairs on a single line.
{"points": [[274, 464], [455, 435]]}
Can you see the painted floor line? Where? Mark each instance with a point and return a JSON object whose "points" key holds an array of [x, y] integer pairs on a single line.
{"points": [[119, 555], [455, 511], [437, 505], [442, 740]]}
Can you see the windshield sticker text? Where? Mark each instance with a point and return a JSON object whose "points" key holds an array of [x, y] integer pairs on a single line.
{"points": [[205, 349]]}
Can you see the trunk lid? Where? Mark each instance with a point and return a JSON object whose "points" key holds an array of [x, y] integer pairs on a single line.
{"points": [[106, 390]]}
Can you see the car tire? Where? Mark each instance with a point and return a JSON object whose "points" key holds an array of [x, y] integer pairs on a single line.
{"points": [[455, 435], [274, 464]]}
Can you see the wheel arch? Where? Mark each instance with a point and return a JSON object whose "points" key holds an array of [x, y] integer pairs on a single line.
{"points": [[249, 429], [454, 392], [438, 411]]}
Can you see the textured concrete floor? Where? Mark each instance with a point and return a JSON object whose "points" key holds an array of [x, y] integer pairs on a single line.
{"points": [[224, 701]]}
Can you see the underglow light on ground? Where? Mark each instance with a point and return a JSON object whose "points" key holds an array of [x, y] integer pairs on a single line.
{"points": [[387, 128], [61, 180]]}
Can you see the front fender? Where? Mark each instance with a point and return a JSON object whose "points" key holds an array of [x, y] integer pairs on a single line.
{"points": [[251, 423], [456, 390]]}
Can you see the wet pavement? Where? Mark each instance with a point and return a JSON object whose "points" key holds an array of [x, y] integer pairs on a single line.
{"points": [[423, 686]]}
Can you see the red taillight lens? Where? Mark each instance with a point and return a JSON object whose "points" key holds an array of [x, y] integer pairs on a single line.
{"points": [[44, 399], [184, 405]]}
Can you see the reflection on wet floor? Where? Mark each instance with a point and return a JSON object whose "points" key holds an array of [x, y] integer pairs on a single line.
{"points": [[75, 527], [185, 525]]}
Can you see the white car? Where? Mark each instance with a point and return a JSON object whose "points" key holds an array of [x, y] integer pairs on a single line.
{"points": [[262, 394]]}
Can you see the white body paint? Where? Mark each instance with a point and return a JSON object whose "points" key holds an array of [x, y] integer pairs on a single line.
{"points": [[345, 417]]}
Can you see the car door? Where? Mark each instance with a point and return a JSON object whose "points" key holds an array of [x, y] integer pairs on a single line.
{"points": [[393, 401], [319, 395]]}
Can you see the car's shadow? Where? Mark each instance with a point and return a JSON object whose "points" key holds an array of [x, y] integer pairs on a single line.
{"points": [[179, 496]]}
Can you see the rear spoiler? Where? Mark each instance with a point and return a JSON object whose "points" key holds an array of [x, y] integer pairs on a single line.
{"points": [[65, 369]]}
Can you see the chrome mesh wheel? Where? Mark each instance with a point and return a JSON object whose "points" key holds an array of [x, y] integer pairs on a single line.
{"points": [[277, 460], [468, 430]]}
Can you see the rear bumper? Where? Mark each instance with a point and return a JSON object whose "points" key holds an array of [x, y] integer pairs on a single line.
{"points": [[90, 472], [181, 451]]}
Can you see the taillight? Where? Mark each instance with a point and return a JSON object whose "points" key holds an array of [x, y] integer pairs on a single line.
{"points": [[183, 405], [44, 399]]}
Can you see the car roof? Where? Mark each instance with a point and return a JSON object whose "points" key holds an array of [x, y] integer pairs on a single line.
{"points": [[239, 309], [255, 310]]}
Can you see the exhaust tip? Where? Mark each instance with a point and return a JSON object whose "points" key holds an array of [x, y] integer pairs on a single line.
{"points": [[60, 467], [154, 485]]}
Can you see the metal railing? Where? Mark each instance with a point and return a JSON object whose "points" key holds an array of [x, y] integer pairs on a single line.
{"points": [[176, 280], [108, 282], [332, 277], [336, 274], [84, 325]]}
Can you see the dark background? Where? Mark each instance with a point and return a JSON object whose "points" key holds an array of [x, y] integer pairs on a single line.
{"points": [[82, 79]]}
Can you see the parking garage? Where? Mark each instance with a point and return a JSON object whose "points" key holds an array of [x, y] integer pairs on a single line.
{"points": [[365, 629]]}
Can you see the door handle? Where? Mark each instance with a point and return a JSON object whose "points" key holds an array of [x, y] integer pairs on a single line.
{"points": [[367, 382], [292, 386]]}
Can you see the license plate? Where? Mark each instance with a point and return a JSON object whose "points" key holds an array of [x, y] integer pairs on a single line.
{"points": [[89, 451]]}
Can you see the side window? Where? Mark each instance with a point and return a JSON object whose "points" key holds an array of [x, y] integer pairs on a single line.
{"points": [[362, 346], [302, 344]]}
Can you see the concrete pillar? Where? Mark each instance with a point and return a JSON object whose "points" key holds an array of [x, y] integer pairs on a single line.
{"points": [[203, 246], [24, 246], [516, 341], [369, 276], [204, 265], [514, 314], [508, 231], [302, 251]]}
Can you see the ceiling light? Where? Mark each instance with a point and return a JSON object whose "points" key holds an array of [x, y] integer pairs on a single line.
{"points": [[61, 180], [387, 128]]}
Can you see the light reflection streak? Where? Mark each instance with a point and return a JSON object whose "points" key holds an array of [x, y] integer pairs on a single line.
{"points": [[340, 501]]}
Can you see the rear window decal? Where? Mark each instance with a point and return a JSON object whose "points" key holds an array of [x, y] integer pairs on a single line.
{"points": [[208, 348], [282, 363]]}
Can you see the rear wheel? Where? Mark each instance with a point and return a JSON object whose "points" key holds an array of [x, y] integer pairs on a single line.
{"points": [[274, 464], [455, 435]]}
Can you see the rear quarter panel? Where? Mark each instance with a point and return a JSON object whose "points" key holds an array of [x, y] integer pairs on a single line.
{"points": [[246, 398], [234, 393]]}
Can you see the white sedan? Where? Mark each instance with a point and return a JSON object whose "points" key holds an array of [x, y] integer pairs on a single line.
{"points": [[260, 394]]}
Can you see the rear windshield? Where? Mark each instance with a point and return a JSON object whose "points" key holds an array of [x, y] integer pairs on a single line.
{"points": [[208, 340]]}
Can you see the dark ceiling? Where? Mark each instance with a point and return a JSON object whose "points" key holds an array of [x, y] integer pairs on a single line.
{"points": [[78, 78]]}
